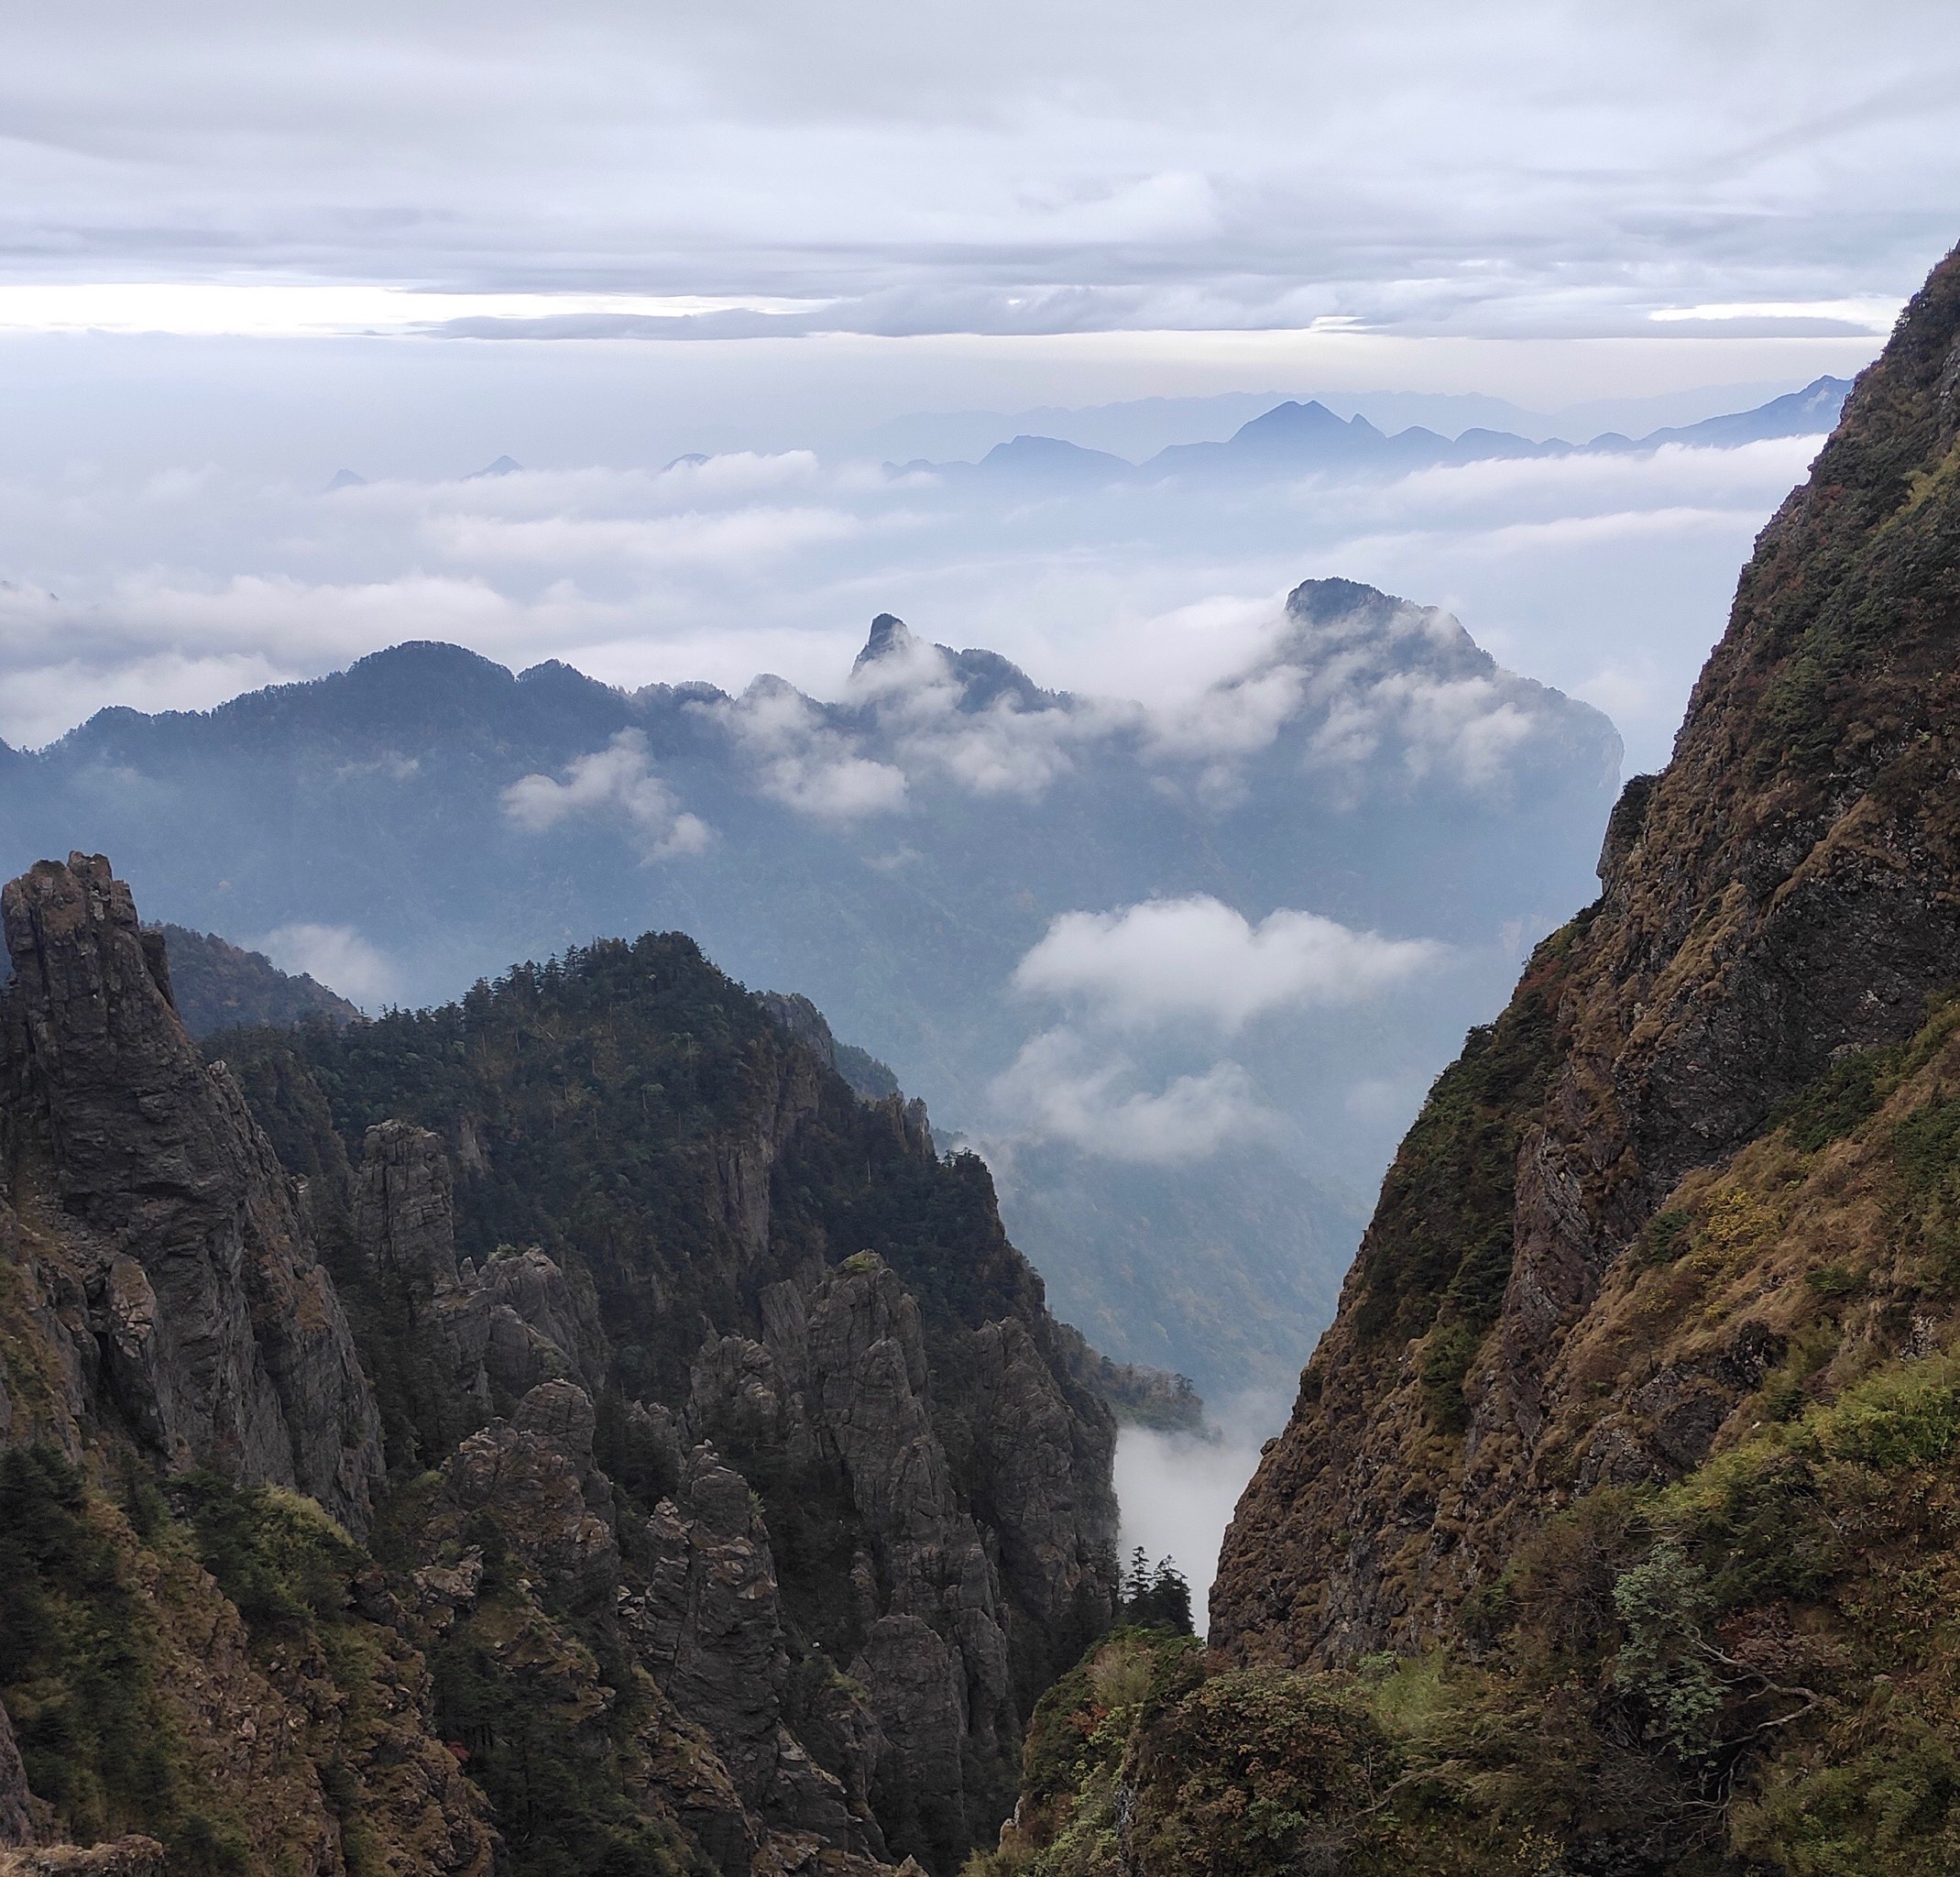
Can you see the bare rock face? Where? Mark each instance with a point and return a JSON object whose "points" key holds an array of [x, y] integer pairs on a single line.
{"points": [[503, 1329], [536, 1475], [708, 1625], [178, 1263], [842, 1389], [16, 1819], [404, 1210], [1785, 894]]}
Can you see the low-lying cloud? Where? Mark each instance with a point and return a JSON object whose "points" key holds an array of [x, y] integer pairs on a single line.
{"points": [[1063, 1088], [336, 956], [796, 759], [1607, 575], [1199, 958], [618, 779], [1179, 1492]]}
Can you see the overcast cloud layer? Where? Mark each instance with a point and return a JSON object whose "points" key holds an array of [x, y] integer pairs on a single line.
{"points": [[1525, 168]]}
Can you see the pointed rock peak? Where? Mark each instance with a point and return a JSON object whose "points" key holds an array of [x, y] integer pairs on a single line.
{"points": [[504, 465], [1293, 418], [1316, 602], [346, 478], [888, 634]]}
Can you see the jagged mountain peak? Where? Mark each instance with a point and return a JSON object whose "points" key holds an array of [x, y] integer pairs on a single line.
{"points": [[891, 637]]}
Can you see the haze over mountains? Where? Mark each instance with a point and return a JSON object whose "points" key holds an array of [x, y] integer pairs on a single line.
{"points": [[1185, 971], [1294, 438], [186, 577]]}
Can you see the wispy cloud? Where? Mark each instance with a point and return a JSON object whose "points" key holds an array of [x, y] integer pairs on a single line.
{"points": [[796, 759], [336, 956], [1061, 1087], [616, 780]]}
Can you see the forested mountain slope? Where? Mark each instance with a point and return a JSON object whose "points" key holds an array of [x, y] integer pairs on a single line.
{"points": [[608, 1442]]}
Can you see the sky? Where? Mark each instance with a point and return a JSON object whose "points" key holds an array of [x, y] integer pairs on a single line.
{"points": [[242, 248], [1520, 171]]}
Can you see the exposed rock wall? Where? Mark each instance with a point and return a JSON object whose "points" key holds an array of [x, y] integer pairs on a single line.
{"points": [[1786, 894], [192, 1312]]}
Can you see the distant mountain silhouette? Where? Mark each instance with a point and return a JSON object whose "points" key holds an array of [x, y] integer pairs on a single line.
{"points": [[1296, 439]]}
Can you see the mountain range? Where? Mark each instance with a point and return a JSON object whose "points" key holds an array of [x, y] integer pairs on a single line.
{"points": [[1182, 971], [1299, 439]]}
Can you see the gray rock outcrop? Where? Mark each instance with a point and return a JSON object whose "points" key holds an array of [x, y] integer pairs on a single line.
{"points": [[16, 1819], [174, 1256]]}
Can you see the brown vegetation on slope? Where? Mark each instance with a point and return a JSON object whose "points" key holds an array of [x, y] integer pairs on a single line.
{"points": [[1788, 891]]}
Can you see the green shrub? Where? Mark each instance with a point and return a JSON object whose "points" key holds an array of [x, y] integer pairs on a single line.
{"points": [[1663, 1662], [1840, 1100], [77, 1658], [1666, 1237], [1261, 1772], [1446, 1359]]}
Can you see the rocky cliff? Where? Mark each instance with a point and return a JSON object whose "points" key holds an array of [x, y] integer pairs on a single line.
{"points": [[1615, 1527], [801, 1300], [606, 1442], [156, 1237], [1781, 898]]}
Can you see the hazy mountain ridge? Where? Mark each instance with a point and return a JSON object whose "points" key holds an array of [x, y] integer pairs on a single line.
{"points": [[217, 985], [425, 816], [1615, 1528], [1299, 438]]}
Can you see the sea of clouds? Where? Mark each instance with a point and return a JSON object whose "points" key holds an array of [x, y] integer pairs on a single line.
{"points": [[1607, 575]]}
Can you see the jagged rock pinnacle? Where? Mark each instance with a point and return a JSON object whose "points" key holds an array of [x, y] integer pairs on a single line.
{"points": [[888, 634]]}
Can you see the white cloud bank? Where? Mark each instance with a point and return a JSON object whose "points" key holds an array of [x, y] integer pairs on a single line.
{"points": [[800, 761], [1199, 959], [618, 779], [1178, 1493]]}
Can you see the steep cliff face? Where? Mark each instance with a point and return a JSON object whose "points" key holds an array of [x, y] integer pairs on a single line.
{"points": [[154, 1225], [1783, 896]]}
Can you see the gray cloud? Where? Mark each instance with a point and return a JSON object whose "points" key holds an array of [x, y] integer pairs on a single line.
{"points": [[1528, 167]]}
